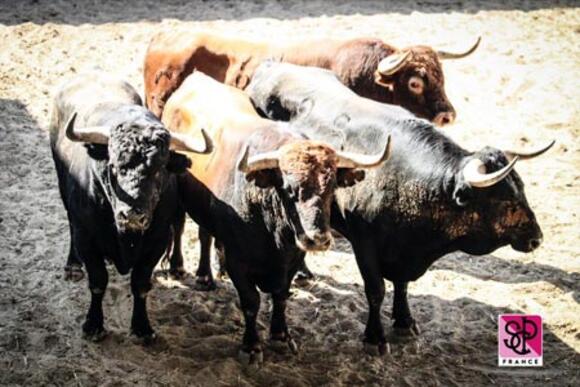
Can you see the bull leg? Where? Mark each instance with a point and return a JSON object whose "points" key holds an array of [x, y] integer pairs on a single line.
{"points": [[221, 255], [73, 270], [93, 328], [204, 275], [251, 351], [140, 286], [404, 323], [176, 269], [367, 260], [278, 329]]}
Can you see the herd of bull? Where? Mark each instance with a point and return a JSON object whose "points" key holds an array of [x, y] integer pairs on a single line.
{"points": [[269, 147]]}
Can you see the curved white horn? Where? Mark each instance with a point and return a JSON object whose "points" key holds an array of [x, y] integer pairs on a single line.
{"points": [[475, 174], [356, 160], [527, 155], [93, 134], [268, 160], [186, 143], [451, 55], [393, 63]]}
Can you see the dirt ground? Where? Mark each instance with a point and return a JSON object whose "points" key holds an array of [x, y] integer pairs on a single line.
{"points": [[521, 88]]}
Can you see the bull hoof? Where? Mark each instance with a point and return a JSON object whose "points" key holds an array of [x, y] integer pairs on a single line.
{"points": [[377, 349], [283, 343], [205, 283], [73, 273], [253, 358], [93, 331], [177, 273], [143, 336]]}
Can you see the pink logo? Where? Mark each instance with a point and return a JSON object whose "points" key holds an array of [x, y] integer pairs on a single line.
{"points": [[520, 340]]}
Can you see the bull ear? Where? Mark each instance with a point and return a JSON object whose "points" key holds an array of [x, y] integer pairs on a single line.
{"points": [[347, 177], [384, 81], [265, 178], [462, 194], [178, 163]]}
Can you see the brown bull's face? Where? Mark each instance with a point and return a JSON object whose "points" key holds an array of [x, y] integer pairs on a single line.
{"points": [[305, 175], [419, 86], [309, 179]]}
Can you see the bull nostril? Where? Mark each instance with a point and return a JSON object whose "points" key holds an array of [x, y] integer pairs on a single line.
{"points": [[535, 243], [444, 118]]}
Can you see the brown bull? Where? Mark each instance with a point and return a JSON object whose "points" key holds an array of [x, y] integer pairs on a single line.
{"points": [[412, 77], [266, 196]]}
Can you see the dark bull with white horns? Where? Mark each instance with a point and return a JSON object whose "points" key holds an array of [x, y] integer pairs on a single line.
{"points": [[266, 197], [115, 165], [432, 197]]}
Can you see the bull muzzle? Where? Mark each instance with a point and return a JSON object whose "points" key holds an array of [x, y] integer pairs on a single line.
{"points": [[444, 118], [314, 241], [526, 245], [133, 221], [528, 241]]}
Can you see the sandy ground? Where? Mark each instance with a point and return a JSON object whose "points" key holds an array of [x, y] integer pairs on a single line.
{"points": [[520, 88]]}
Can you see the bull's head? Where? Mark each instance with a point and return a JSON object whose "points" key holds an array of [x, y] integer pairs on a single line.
{"points": [[140, 158], [306, 174], [493, 193], [415, 78]]}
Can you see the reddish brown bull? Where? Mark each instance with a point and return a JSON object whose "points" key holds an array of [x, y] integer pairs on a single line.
{"points": [[411, 77], [266, 196]]}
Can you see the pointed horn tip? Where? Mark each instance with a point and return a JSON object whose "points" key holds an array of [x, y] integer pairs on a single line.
{"points": [[208, 141], [388, 148], [70, 134], [450, 55], [352, 160], [531, 154], [243, 162]]}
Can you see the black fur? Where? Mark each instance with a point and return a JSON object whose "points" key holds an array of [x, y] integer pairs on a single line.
{"points": [[103, 187], [414, 209]]}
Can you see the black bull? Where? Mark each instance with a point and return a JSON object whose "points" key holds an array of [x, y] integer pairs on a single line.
{"points": [[116, 176], [428, 200]]}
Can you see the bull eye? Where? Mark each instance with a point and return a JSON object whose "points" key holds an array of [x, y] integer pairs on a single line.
{"points": [[416, 85]]}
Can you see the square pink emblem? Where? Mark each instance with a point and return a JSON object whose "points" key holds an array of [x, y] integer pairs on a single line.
{"points": [[520, 341]]}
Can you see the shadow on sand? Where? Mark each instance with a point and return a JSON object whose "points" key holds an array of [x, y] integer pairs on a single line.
{"points": [[109, 11], [490, 267], [458, 343]]}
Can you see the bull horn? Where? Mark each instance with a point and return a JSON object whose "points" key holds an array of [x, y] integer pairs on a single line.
{"points": [[92, 135], [393, 63], [476, 176], [355, 160], [268, 160], [184, 142], [452, 55], [529, 154]]}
